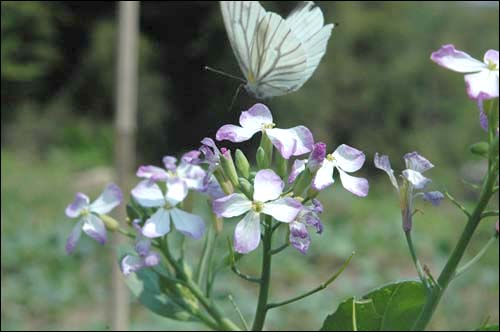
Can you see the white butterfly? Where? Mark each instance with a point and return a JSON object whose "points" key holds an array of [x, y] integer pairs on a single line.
{"points": [[276, 55]]}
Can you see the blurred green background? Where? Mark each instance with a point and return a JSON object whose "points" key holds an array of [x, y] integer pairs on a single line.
{"points": [[375, 89]]}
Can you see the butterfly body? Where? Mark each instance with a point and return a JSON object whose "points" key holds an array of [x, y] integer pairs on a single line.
{"points": [[276, 55]]}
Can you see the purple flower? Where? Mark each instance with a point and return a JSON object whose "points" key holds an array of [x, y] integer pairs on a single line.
{"points": [[268, 188], [149, 194], [145, 258], [482, 77], [316, 158], [413, 179], [308, 216], [290, 142], [88, 215], [187, 171]]}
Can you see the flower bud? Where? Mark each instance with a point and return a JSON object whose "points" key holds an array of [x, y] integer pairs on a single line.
{"points": [[281, 166], [228, 166], [246, 187], [110, 223], [267, 146], [225, 184], [262, 161], [480, 149], [242, 164]]}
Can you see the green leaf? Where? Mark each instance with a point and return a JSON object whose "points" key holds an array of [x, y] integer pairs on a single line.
{"points": [[158, 292], [488, 328], [389, 308]]}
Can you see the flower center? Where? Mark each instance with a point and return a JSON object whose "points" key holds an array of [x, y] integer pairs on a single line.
{"points": [[167, 206], [257, 206], [330, 157], [85, 212], [268, 126], [491, 65]]}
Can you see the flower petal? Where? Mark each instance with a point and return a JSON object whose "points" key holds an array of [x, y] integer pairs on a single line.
{"points": [[312, 220], [491, 56], [148, 194], [483, 118], [158, 224], [435, 197], [284, 209], [110, 198], [231, 205], [299, 165], [131, 264], [94, 227], [317, 156], [485, 82], [234, 133], [74, 237], [152, 259], [416, 178], [191, 157], [256, 117], [284, 140], [382, 162], [299, 237], [267, 186], [170, 163], [80, 202], [348, 158], [177, 190], [417, 163], [324, 176], [152, 172], [192, 175], [304, 140], [447, 56], [357, 186], [187, 223], [247, 233]]}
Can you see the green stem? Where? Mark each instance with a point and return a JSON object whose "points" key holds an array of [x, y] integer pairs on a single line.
{"points": [[238, 311], [280, 249], [261, 311], [451, 265], [476, 258], [415, 259], [315, 290], [202, 265]]}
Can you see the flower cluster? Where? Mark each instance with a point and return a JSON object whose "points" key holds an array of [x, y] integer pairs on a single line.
{"points": [[412, 180]]}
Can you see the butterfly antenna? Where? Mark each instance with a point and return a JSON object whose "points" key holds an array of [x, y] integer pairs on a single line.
{"points": [[225, 74], [236, 94]]}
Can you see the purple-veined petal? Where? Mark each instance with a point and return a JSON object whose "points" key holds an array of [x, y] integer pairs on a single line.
{"points": [[324, 176], [234, 133], [177, 190], [267, 186], [94, 227], [447, 56], [382, 162], [130, 264], [247, 233], [284, 209], [256, 117], [485, 82], [153, 173], [304, 140], [110, 198], [158, 224], [435, 197], [187, 223], [284, 140], [317, 156], [491, 56], [170, 163], [299, 237], [148, 194], [317, 206], [74, 237], [299, 165], [207, 141], [348, 158], [416, 178], [80, 202], [192, 175], [191, 157], [142, 244], [231, 205], [151, 259], [313, 221], [416, 162], [357, 186]]}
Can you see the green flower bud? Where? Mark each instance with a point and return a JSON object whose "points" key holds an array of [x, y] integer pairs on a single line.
{"points": [[110, 223], [262, 161], [281, 166], [242, 164], [246, 187], [228, 166], [480, 149]]}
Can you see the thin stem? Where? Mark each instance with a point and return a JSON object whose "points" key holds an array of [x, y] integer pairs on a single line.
{"points": [[238, 311], [416, 261], [261, 311], [202, 265], [315, 290], [487, 214], [280, 249], [457, 204], [451, 265], [244, 276], [476, 258], [126, 233]]}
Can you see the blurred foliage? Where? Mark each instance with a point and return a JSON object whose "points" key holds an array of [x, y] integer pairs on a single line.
{"points": [[375, 89]]}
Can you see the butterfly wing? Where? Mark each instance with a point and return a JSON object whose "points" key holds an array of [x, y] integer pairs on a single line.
{"points": [[241, 19]]}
